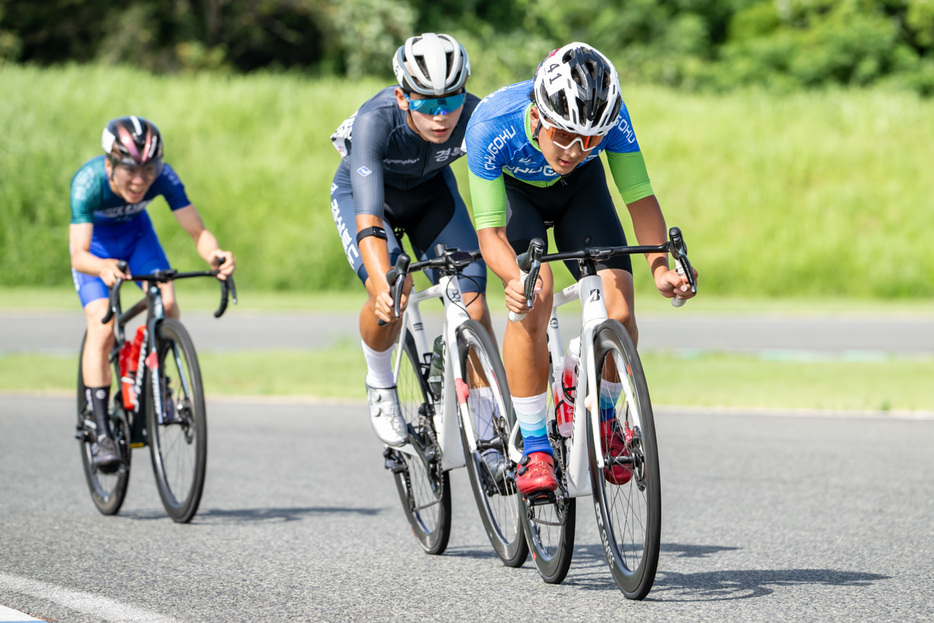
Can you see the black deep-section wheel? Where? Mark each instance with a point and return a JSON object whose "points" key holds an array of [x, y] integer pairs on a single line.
{"points": [[178, 441], [424, 488], [491, 473], [108, 490], [550, 522], [627, 493]]}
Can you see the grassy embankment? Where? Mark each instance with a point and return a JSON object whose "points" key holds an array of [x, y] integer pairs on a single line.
{"points": [[818, 197]]}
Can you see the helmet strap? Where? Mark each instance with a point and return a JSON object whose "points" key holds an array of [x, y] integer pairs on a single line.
{"points": [[538, 125]]}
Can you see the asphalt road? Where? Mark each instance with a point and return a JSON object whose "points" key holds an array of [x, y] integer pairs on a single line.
{"points": [[766, 518], [855, 336]]}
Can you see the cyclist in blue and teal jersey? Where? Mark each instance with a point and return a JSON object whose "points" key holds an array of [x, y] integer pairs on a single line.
{"points": [[533, 155], [395, 176], [109, 223]]}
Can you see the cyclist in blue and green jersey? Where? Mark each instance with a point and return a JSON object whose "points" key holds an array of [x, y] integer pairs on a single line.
{"points": [[109, 223], [395, 177], [533, 156]]}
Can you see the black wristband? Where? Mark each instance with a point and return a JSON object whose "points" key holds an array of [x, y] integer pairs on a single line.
{"points": [[379, 232]]}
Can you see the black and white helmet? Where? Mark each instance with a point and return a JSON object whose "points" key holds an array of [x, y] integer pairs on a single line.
{"points": [[577, 89], [431, 64], [133, 140]]}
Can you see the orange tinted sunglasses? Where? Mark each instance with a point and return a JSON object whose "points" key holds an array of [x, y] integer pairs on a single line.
{"points": [[565, 139]]}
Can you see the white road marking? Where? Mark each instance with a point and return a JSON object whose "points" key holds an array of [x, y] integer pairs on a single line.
{"points": [[94, 605], [9, 615]]}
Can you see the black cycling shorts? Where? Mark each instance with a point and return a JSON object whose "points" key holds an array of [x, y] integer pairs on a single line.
{"points": [[429, 213], [579, 207]]}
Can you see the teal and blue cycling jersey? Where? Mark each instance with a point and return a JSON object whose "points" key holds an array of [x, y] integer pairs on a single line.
{"points": [[92, 200], [121, 230], [499, 141]]}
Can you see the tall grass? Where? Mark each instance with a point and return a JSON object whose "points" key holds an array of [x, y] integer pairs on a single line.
{"points": [[812, 195]]}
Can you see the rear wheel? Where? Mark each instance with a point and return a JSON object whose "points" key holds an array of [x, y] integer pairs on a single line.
{"points": [[627, 492], [108, 490], [178, 436], [424, 488], [550, 522], [489, 420]]}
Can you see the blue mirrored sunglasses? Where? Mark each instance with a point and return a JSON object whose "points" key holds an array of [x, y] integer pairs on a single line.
{"points": [[438, 105]]}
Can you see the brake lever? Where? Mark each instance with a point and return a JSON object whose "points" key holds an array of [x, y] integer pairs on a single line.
{"points": [[679, 251], [395, 276], [530, 265]]}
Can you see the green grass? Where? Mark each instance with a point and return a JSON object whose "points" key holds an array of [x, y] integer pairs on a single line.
{"points": [[712, 380], [810, 195]]}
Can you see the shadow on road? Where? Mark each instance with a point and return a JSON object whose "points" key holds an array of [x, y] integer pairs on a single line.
{"points": [[717, 585], [223, 516], [749, 583]]}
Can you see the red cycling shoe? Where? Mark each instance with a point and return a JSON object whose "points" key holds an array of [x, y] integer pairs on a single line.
{"points": [[536, 474], [614, 445]]}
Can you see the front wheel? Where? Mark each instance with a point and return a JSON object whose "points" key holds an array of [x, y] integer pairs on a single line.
{"points": [[424, 488], [626, 491], [108, 490], [178, 435], [489, 420]]}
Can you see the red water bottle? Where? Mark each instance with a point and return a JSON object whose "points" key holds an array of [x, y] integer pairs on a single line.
{"points": [[564, 409], [129, 364]]}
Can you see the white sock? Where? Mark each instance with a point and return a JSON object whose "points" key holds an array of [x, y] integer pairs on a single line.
{"points": [[530, 411], [378, 367]]}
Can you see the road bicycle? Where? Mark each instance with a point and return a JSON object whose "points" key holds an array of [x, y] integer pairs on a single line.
{"points": [[610, 397], [158, 401], [457, 413]]}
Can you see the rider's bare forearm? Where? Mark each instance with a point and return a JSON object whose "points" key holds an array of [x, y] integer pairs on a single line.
{"points": [[498, 253], [648, 223]]}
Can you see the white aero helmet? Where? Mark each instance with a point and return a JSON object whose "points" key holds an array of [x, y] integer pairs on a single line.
{"points": [[577, 89], [431, 64]]}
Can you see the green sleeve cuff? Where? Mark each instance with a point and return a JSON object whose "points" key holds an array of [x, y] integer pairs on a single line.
{"points": [[630, 175], [489, 201]]}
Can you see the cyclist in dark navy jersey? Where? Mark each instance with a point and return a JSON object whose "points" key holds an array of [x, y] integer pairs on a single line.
{"points": [[533, 155], [109, 223], [395, 177]]}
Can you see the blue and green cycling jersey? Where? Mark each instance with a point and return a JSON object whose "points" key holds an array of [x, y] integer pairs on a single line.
{"points": [[499, 141], [92, 200]]}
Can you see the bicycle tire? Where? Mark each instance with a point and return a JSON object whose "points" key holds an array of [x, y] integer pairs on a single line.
{"points": [[107, 490], [498, 503], [179, 445], [629, 514], [550, 525], [424, 488]]}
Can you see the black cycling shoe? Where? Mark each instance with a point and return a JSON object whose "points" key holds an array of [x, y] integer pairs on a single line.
{"points": [[494, 468], [104, 455]]}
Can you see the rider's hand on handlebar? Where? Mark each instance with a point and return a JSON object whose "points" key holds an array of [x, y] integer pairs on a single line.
{"points": [[671, 284], [228, 265], [384, 305], [515, 295], [111, 272]]}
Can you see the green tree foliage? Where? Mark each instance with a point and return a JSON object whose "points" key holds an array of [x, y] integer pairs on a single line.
{"points": [[712, 44]]}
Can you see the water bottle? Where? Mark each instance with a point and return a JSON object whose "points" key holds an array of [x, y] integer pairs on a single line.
{"points": [[436, 368], [561, 402], [564, 410], [129, 364]]}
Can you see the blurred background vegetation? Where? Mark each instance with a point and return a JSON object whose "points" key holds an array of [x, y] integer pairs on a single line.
{"points": [[788, 138], [694, 44]]}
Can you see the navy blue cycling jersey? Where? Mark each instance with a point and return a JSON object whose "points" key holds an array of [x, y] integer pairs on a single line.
{"points": [[93, 201], [383, 150]]}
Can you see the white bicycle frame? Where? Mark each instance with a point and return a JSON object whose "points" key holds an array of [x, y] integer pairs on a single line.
{"points": [[446, 409], [593, 315]]}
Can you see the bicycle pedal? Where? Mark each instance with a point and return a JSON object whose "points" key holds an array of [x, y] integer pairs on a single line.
{"points": [[392, 462], [541, 499]]}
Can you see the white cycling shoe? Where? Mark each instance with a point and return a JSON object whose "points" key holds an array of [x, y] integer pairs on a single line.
{"points": [[385, 416]]}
